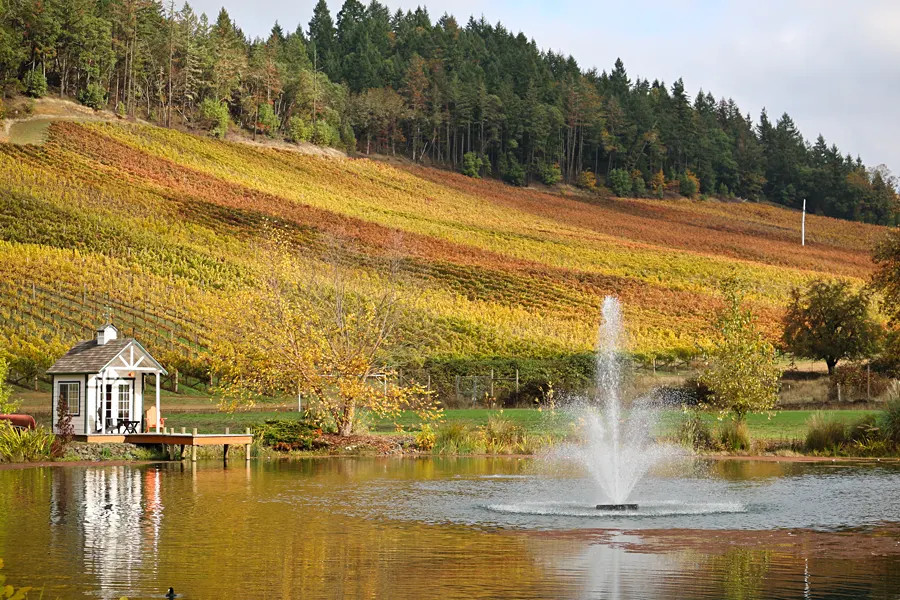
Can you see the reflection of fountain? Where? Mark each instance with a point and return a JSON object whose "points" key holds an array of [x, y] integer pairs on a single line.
{"points": [[618, 449]]}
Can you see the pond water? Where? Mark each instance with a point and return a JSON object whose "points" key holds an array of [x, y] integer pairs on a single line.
{"points": [[450, 528]]}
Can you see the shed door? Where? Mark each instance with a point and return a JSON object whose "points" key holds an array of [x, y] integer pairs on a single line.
{"points": [[118, 403]]}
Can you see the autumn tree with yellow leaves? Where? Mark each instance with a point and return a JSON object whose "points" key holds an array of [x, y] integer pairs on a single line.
{"points": [[308, 330]]}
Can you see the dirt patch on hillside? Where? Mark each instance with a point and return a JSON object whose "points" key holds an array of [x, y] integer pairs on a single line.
{"points": [[29, 120], [300, 148]]}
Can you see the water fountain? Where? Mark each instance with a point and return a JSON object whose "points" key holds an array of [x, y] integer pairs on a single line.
{"points": [[618, 448]]}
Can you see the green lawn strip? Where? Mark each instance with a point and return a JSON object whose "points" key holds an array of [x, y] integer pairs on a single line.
{"points": [[786, 425], [783, 425], [216, 422]]}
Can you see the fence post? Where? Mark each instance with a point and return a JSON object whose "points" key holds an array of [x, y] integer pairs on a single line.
{"points": [[176, 381], [868, 383], [517, 381]]}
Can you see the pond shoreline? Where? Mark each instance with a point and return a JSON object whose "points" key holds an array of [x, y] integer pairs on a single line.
{"points": [[303, 455]]}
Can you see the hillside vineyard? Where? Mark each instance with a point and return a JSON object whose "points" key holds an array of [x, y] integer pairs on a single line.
{"points": [[161, 228]]}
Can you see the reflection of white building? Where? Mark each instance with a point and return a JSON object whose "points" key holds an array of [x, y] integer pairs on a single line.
{"points": [[120, 511], [101, 384]]}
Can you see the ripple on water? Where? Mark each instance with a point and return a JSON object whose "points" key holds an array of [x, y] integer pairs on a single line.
{"points": [[645, 509]]}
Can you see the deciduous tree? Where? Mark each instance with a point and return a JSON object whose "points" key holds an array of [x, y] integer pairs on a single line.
{"points": [[742, 374], [828, 321], [310, 331]]}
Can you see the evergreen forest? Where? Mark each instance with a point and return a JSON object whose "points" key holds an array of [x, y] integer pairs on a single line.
{"points": [[476, 98]]}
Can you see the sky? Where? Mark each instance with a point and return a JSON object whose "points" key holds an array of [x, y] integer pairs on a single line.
{"points": [[833, 66]]}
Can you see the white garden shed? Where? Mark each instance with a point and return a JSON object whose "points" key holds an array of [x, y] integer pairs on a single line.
{"points": [[101, 383]]}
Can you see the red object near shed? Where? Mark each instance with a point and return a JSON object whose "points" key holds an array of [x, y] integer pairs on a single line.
{"points": [[23, 421]]}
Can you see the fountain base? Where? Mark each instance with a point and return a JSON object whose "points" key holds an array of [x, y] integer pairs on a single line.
{"points": [[621, 507]]}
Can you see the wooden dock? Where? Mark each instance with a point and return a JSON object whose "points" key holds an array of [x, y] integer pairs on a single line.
{"points": [[172, 440]]}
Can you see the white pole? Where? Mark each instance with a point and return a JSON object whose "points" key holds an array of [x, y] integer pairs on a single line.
{"points": [[103, 403], [157, 402], [299, 399], [803, 225]]}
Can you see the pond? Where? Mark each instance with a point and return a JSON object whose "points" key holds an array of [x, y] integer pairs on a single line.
{"points": [[450, 528]]}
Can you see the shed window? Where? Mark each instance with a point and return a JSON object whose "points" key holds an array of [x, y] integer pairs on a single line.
{"points": [[125, 402], [70, 397]]}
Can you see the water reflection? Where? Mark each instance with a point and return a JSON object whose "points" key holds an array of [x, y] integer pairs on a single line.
{"points": [[115, 514], [396, 528]]}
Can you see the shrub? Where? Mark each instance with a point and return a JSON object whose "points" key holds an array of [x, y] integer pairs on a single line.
{"points": [[864, 432], [694, 432], [514, 174], [724, 191], [502, 436], [17, 445], [215, 116], [426, 438], [93, 96], [890, 421], [348, 138], [658, 184], [35, 83], [471, 165], [824, 434], [120, 110], [586, 180], [266, 119], [857, 377], [638, 185], [325, 134], [288, 435], [688, 185], [696, 391], [620, 182], [2, 109], [7, 404], [299, 129], [457, 438], [66, 432], [549, 173], [734, 435]]}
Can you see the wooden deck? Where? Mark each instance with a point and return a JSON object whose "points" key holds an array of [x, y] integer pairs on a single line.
{"points": [[175, 439], [171, 440]]}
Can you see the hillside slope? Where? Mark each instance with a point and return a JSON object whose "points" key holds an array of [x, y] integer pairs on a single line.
{"points": [[157, 227]]}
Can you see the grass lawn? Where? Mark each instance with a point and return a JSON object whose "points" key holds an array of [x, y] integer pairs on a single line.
{"points": [[783, 425], [531, 420], [786, 425]]}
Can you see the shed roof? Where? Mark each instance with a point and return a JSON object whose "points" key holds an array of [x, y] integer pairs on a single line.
{"points": [[89, 356]]}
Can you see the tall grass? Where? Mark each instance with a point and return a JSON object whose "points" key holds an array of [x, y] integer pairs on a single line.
{"points": [[734, 435], [458, 438], [499, 436], [890, 420], [24, 445], [694, 432], [825, 434]]}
